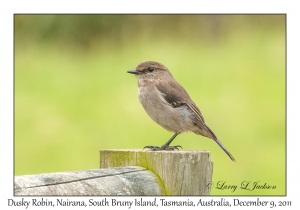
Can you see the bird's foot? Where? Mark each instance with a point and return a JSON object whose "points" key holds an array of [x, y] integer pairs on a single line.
{"points": [[167, 147]]}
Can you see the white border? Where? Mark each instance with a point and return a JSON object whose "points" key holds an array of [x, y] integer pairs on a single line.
{"points": [[8, 8]]}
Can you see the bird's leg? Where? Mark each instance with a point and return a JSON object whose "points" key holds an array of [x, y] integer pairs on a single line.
{"points": [[166, 146]]}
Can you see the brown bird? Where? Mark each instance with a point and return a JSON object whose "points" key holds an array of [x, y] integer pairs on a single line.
{"points": [[169, 105]]}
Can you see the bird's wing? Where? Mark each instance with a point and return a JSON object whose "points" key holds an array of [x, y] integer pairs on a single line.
{"points": [[197, 112], [173, 100], [173, 93], [177, 96]]}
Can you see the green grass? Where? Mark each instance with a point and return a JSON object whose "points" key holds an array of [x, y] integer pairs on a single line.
{"points": [[70, 103]]}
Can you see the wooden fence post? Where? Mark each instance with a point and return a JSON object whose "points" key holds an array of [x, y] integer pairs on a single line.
{"points": [[182, 172]]}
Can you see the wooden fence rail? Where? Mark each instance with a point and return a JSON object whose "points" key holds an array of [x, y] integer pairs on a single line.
{"points": [[115, 181], [128, 172]]}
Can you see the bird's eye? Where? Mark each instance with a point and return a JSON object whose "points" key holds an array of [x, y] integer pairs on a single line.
{"points": [[150, 69]]}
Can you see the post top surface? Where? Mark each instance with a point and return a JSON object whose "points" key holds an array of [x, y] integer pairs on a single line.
{"points": [[163, 151]]}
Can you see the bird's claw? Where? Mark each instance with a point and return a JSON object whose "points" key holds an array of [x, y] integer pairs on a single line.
{"points": [[168, 148], [153, 148]]}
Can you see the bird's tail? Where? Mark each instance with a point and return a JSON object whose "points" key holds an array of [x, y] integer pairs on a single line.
{"points": [[224, 149], [210, 134]]}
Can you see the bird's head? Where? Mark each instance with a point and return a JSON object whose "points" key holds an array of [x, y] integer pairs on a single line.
{"points": [[150, 72]]}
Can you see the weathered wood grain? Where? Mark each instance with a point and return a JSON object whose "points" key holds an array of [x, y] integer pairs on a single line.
{"points": [[183, 172], [115, 181]]}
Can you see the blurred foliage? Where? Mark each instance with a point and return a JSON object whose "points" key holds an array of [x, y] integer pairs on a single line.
{"points": [[73, 96], [84, 29]]}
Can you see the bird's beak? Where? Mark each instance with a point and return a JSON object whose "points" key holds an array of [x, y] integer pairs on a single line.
{"points": [[133, 72]]}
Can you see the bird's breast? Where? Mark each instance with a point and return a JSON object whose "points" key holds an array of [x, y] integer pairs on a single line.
{"points": [[149, 97], [159, 110]]}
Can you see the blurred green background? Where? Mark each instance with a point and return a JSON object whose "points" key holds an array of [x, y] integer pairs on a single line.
{"points": [[73, 96]]}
